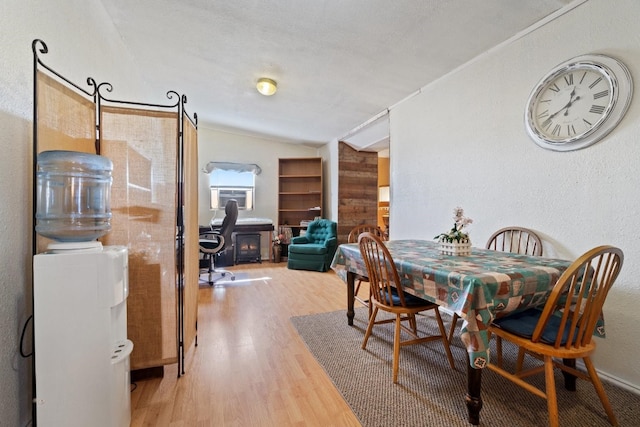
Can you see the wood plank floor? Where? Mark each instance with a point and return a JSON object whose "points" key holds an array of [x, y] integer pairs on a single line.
{"points": [[250, 367]]}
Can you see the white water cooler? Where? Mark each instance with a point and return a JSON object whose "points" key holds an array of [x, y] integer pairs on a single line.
{"points": [[80, 335]]}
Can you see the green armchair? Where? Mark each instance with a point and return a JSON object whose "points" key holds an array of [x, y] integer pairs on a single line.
{"points": [[314, 251]]}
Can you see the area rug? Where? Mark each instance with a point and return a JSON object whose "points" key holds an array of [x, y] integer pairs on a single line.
{"points": [[429, 392]]}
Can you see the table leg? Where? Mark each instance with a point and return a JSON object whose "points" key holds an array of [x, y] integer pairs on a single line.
{"points": [[473, 399], [351, 280], [569, 379]]}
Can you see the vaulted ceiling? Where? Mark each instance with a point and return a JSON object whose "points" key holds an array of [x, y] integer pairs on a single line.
{"points": [[338, 63]]}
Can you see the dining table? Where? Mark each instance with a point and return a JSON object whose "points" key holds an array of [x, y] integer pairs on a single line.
{"points": [[479, 287]]}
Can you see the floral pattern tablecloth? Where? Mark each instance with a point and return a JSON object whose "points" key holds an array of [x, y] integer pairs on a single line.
{"points": [[479, 287]]}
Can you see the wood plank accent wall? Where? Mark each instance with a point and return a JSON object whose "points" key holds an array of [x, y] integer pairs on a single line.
{"points": [[357, 189]]}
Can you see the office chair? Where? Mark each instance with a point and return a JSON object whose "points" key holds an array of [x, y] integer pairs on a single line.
{"points": [[215, 241]]}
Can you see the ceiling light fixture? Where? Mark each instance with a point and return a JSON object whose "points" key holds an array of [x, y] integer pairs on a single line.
{"points": [[266, 86]]}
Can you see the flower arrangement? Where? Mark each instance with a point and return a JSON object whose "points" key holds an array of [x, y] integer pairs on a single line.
{"points": [[458, 233]]}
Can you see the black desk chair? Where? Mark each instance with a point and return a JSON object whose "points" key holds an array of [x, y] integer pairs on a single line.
{"points": [[215, 241]]}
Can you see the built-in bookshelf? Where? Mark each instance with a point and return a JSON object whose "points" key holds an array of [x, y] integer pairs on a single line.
{"points": [[299, 191]]}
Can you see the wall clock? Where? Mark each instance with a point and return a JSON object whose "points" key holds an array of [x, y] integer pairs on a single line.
{"points": [[578, 102]]}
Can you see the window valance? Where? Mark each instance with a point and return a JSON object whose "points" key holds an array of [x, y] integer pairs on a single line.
{"points": [[230, 166]]}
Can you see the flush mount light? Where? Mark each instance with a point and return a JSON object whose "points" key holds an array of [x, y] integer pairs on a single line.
{"points": [[266, 86]]}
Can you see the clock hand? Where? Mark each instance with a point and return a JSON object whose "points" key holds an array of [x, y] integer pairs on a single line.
{"points": [[563, 108], [571, 101], [566, 112]]}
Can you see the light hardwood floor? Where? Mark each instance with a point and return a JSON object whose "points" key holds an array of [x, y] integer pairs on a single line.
{"points": [[250, 367]]}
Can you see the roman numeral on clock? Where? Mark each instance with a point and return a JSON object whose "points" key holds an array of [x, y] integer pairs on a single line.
{"points": [[598, 80], [568, 79], [597, 109], [545, 113], [601, 94], [583, 76]]}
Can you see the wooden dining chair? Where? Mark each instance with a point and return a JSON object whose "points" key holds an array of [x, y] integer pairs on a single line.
{"points": [[353, 238], [387, 294], [517, 240], [563, 328]]}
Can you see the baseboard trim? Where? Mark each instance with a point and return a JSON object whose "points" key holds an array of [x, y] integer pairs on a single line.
{"points": [[147, 373], [619, 382]]}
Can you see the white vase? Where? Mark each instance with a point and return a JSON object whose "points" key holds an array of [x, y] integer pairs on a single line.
{"points": [[455, 248]]}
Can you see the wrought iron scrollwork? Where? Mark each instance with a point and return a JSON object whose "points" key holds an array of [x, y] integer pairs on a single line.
{"points": [[43, 47], [40, 46]]}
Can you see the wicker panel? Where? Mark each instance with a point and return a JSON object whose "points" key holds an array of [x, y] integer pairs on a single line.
{"points": [[143, 147], [66, 121]]}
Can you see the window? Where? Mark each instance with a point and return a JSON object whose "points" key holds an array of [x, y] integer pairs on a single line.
{"points": [[231, 181]]}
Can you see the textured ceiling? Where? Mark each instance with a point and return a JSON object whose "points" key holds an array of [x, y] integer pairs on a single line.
{"points": [[338, 63]]}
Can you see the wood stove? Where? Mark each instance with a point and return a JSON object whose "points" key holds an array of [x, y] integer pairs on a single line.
{"points": [[247, 248]]}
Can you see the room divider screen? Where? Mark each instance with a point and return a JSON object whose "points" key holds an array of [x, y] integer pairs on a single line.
{"points": [[154, 200]]}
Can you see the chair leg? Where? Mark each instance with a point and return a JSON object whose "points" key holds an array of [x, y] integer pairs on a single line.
{"points": [[452, 328], [368, 302], [445, 341], [396, 348], [499, 350], [372, 321], [369, 305], [413, 323], [211, 270], [569, 379], [550, 386], [520, 360], [597, 384]]}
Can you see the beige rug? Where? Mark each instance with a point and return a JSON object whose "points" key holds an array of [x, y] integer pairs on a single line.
{"points": [[429, 393]]}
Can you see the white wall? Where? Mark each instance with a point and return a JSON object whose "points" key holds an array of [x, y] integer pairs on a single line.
{"points": [[329, 152], [82, 43], [461, 142]]}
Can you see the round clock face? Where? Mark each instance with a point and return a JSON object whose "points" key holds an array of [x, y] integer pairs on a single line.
{"points": [[578, 102]]}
